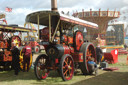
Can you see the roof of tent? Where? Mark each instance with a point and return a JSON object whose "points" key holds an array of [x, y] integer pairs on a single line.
{"points": [[44, 19]]}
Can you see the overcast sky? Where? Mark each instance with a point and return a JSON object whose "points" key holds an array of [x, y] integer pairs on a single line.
{"points": [[20, 8]]}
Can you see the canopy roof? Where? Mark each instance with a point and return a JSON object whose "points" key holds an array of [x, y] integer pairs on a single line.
{"points": [[44, 19], [7, 28]]}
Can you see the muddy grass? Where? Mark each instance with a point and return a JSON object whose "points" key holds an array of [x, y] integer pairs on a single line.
{"points": [[119, 77]]}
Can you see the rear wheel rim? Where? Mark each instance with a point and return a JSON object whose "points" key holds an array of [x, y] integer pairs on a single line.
{"points": [[88, 53], [41, 68], [85, 48]]}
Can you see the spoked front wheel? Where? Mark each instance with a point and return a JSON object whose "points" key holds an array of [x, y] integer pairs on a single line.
{"points": [[66, 67], [40, 67]]}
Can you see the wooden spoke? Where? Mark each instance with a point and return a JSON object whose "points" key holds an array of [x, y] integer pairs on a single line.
{"points": [[66, 63], [64, 67], [66, 74], [43, 71], [70, 63], [70, 72], [67, 60], [65, 71]]}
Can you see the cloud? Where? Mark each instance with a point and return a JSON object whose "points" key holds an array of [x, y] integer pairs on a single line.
{"points": [[125, 1], [17, 16], [113, 4], [78, 4], [34, 4], [20, 8]]}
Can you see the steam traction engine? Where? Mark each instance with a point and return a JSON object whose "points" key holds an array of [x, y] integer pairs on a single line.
{"points": [[65, 48]]}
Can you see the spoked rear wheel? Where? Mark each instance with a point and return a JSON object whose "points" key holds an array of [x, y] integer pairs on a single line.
{"points": [[40, 67], [66, 67], [88, 51]]}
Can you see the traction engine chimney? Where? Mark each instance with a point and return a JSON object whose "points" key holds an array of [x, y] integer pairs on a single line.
{"points": [[54, 5]]}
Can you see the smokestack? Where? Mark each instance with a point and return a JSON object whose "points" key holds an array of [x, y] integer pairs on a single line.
{"points": [[54, 5]]}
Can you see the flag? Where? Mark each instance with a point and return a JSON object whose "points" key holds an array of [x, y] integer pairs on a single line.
{"points": [[7, 9], [4, 20]]}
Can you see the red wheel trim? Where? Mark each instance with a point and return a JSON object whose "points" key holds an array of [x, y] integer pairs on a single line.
{"points": [[46, 74], [87, 61], [43, 76]]}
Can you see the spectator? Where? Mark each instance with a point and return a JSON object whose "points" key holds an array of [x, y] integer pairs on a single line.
{"points": [[125, 46], [15, 58], [26, 57], [98, 54]]}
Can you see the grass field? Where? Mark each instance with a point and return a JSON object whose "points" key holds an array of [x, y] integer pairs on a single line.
{"points": [[119, 77]]}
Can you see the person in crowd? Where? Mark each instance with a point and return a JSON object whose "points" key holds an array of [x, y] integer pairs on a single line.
{"points": [[98, 54], [26, 56], [125, 46], [15, 58]]}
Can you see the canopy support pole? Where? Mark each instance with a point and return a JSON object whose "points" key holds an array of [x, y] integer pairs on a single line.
{"points": [[38, 17], [49, 28], [55, 30]]}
